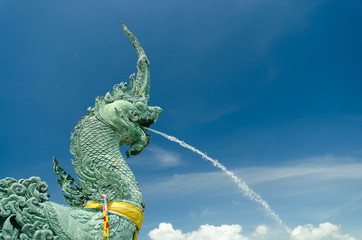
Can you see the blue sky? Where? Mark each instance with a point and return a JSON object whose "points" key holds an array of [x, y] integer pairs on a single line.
{"points": [[272, 89]]}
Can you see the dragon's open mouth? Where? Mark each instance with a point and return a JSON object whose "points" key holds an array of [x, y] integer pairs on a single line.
{"points": [[146, 122], [137, 141]]}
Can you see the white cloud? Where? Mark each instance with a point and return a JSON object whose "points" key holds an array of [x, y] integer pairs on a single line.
{"points": [[156, 158], [165, 231], [184, 184], [165, 158], [313, 193], [208, 212], [205, 232], [325, 231], [260, 232]]}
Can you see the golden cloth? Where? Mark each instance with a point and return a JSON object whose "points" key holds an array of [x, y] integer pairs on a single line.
{"points": [[125, 209]]}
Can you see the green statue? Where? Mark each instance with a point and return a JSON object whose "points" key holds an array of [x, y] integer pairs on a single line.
{"points": [[118, 118]]}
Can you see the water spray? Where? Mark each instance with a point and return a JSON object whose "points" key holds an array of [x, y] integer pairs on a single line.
{"points": [[246, 190]]}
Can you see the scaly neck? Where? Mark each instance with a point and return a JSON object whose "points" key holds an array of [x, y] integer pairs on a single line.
{"points": [[99, 163]]}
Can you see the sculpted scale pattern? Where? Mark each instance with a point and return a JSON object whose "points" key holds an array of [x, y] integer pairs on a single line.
{"points": [[118, 118]]}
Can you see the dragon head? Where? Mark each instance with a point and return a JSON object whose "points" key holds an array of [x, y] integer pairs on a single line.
{"points": [[126, 107]]}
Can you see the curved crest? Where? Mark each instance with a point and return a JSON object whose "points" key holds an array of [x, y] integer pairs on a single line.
{"points": [[139, 88], [142, 84]]}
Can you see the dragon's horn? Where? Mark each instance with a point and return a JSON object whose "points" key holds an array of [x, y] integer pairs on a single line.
{"points": [[141, 86]]}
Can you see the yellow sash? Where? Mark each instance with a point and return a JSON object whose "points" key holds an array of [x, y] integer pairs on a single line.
{"points": [[125, 209]]}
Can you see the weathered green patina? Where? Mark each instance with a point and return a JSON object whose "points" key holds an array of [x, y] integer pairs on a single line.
{"points": [[118, 118]]}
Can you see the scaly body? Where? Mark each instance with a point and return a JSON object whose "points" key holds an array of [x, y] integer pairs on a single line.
{"points": [[118, 118]]}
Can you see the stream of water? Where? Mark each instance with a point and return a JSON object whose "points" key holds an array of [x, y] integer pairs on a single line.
{"points": [[245, 189]]}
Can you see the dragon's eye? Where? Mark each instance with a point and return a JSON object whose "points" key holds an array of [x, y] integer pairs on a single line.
{"points": [[140, 106]]}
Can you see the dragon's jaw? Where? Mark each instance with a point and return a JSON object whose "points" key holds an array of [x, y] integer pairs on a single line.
{"points": [[131, 119], [143, 120], [149, 117]]}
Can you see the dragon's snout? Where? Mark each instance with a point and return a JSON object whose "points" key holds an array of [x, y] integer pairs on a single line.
{"points": [[149, 117]]}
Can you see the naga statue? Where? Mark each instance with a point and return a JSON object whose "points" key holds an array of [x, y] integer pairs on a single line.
{"points": [[118, 118]]}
